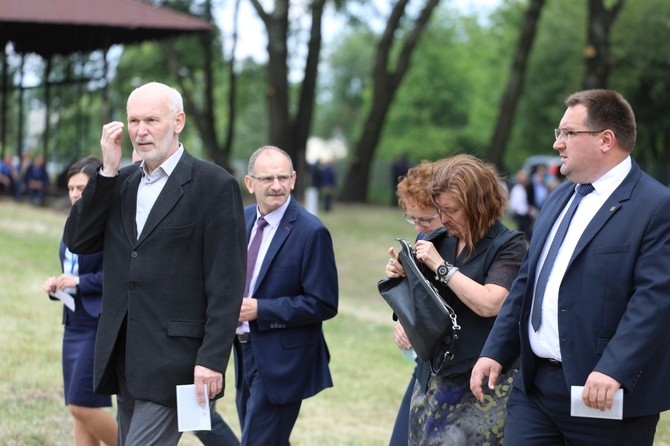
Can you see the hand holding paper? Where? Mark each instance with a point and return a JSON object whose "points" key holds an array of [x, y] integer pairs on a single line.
{"points": [[191, 416], [64, 297], [579, 409]]}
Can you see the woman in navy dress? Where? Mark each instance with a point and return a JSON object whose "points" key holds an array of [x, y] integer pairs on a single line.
{"points": [[82, 279]]}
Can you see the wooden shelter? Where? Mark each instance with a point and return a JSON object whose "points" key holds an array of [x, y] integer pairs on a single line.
{"points": [[63, 27]]}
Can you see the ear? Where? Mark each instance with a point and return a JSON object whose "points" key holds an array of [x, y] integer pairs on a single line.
{"points": [[295, 175], [179, 122], [607, 140], [249, 184]]}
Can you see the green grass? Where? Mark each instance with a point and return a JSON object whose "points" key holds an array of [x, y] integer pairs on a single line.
{"points": [[369, 372]]}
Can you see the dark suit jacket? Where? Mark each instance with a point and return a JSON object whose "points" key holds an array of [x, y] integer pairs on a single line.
{"points": [[296, 290], [614, 299], [177, 290], [89, 294]]}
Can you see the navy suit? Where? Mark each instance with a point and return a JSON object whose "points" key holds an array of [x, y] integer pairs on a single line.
{"points": [[614, 299], [296, 290]]}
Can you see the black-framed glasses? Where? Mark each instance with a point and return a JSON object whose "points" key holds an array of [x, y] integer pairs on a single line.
{"points": [[267, 180], [421, 221], [566, 135]]}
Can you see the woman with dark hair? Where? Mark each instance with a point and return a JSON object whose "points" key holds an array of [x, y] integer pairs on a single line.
{"points": [[472, 264], [82, 279]]}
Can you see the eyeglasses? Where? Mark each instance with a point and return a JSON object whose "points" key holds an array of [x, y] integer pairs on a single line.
{"points": [[422, 221], [566, 135], [267, 180]]}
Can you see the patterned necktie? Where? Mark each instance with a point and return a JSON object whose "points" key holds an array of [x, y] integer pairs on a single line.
{"points": [[547, 266], [252, 254]]}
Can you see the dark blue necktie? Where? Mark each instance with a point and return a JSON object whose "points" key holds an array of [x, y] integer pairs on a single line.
{"points": [[547, 266]]}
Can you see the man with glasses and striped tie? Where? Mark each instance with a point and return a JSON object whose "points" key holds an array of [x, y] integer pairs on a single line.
{"points": [[590, 310]]}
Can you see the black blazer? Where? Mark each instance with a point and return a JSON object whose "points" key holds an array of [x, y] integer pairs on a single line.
{"points": [[174, 294]]}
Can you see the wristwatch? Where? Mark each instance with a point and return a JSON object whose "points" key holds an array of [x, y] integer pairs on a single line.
{"points": [[445, 271]]}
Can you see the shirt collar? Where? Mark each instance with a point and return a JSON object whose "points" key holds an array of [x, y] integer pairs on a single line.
{"points": [[613, 177], [168, 165]]}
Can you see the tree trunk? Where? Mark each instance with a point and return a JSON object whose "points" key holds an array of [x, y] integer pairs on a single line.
{"points": [[289, 133], [232, 90], [496, 150], [597, 51], [386, 83]]}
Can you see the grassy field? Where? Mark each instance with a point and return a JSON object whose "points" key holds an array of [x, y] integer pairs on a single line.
{"points": [[370, 373]]}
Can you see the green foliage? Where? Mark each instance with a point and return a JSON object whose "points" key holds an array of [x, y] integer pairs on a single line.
{"points": [[344, 81], [447, 103]]}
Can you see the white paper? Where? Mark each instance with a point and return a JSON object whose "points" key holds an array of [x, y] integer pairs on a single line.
{"points": [[579, 409], [64, 297], [409, 354], [191, 416]]}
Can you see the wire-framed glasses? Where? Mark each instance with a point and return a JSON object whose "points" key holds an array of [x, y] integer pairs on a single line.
{"points": [[566, 135], [421, 221], [267, 180]]}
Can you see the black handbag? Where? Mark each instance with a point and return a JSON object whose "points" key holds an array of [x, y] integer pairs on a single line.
{"points": [[429, 321]]}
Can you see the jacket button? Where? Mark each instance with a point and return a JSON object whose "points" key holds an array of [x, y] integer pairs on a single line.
{"points": [[131, 286], [133, 254]]}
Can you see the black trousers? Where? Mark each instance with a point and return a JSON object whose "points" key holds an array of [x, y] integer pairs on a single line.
{"points": [[542, 418]]}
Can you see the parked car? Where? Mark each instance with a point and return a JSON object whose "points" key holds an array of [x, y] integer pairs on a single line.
{"points": [[552, 162]]}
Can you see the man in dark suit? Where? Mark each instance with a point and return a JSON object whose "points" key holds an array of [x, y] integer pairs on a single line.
{"points": [[173, 236], [280, 351], [603, 319]]}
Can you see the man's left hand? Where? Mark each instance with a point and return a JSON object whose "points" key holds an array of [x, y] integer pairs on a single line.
{"points": [[211, 378], [599, 391]]}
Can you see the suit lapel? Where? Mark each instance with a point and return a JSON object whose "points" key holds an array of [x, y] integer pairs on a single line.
{"points": [[129, 206], [281, 234], [615, 201], [169, 196]]}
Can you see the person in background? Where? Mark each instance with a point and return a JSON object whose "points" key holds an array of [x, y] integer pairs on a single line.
{"points": [[328, 184], [590, 306], [174, 243], [537, 193], [82, 278], [280, 350], [9, 177], [522, 211], [415, 200], [399, 169], [472, 264], [36, 180]]}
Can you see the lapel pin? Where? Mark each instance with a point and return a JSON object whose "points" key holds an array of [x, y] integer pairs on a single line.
{"points": [[613, 208]]}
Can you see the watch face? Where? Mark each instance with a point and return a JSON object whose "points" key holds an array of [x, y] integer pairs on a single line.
{"points": [[442, 270]]}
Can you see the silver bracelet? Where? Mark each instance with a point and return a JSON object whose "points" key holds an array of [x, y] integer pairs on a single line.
{"points": [[450, 274]]}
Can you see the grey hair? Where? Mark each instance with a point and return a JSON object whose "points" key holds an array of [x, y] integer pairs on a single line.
{"points": [[175, 101], [256, 154]]}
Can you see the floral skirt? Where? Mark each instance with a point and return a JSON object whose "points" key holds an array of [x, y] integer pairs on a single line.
{"points": [[448, 414]]}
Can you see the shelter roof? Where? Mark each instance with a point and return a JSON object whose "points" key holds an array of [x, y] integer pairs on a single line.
{"points": [[49, 27]]}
